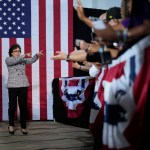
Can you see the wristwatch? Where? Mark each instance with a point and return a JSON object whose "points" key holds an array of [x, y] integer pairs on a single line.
{"points": [[67, 58]]}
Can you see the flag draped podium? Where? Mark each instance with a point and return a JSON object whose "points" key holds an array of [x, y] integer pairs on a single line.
{"points": [[36, 25], [72, 100]]}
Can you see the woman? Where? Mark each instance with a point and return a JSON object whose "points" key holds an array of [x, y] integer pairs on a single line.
{"points": [[17, 84]]}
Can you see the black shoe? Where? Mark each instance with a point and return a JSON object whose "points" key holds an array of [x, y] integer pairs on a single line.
{"points": [[24, 132], [11, 132]]}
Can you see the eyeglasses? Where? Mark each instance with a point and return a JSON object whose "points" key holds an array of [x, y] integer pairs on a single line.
{"points": [[15, 51]]}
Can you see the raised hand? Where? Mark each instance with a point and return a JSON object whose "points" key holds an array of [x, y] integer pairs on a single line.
{"points": [[40, 53], [81, 14], [80, 10], [59, 56], [28, 54]]}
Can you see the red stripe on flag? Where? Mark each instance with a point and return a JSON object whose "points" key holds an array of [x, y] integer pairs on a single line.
{"points": [[42, 60], [57, 41], [28, 49], [1, 79], [70, 33], [12, 41]]}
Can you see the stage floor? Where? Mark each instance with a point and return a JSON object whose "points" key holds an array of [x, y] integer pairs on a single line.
{"points": [[46, 135]]}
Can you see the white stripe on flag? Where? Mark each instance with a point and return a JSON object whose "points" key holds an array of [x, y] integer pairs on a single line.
{"points": [[49, 52], [64, 31], [5, 48], [20, 41], [35, 66]]}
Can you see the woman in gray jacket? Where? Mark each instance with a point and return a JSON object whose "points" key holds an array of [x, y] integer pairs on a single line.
{"points": [[17, 84]]}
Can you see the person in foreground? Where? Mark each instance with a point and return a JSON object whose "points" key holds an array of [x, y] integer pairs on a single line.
{"points": [[17, 85]]}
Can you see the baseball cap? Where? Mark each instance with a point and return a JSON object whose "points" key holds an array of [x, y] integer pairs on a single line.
{"points": [[113, 13]]}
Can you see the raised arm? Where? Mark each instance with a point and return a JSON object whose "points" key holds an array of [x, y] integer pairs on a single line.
{"points": [[72, 57], [11, 61], [81, 15], [34, 58]]}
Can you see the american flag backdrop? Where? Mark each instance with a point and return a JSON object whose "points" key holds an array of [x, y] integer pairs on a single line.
{"points": [[36, 25]]}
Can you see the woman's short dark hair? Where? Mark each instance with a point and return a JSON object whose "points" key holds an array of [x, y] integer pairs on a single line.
{"points": [[14, 46]]}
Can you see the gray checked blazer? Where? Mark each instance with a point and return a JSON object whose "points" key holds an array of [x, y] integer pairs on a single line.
{"points": [[17, 71]]}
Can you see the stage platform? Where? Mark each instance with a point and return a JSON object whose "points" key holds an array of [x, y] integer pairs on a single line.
{"points": [[46, 135]]}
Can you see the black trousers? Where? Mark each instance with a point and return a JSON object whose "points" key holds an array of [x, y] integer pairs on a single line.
{"points": [[19, 94]]}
